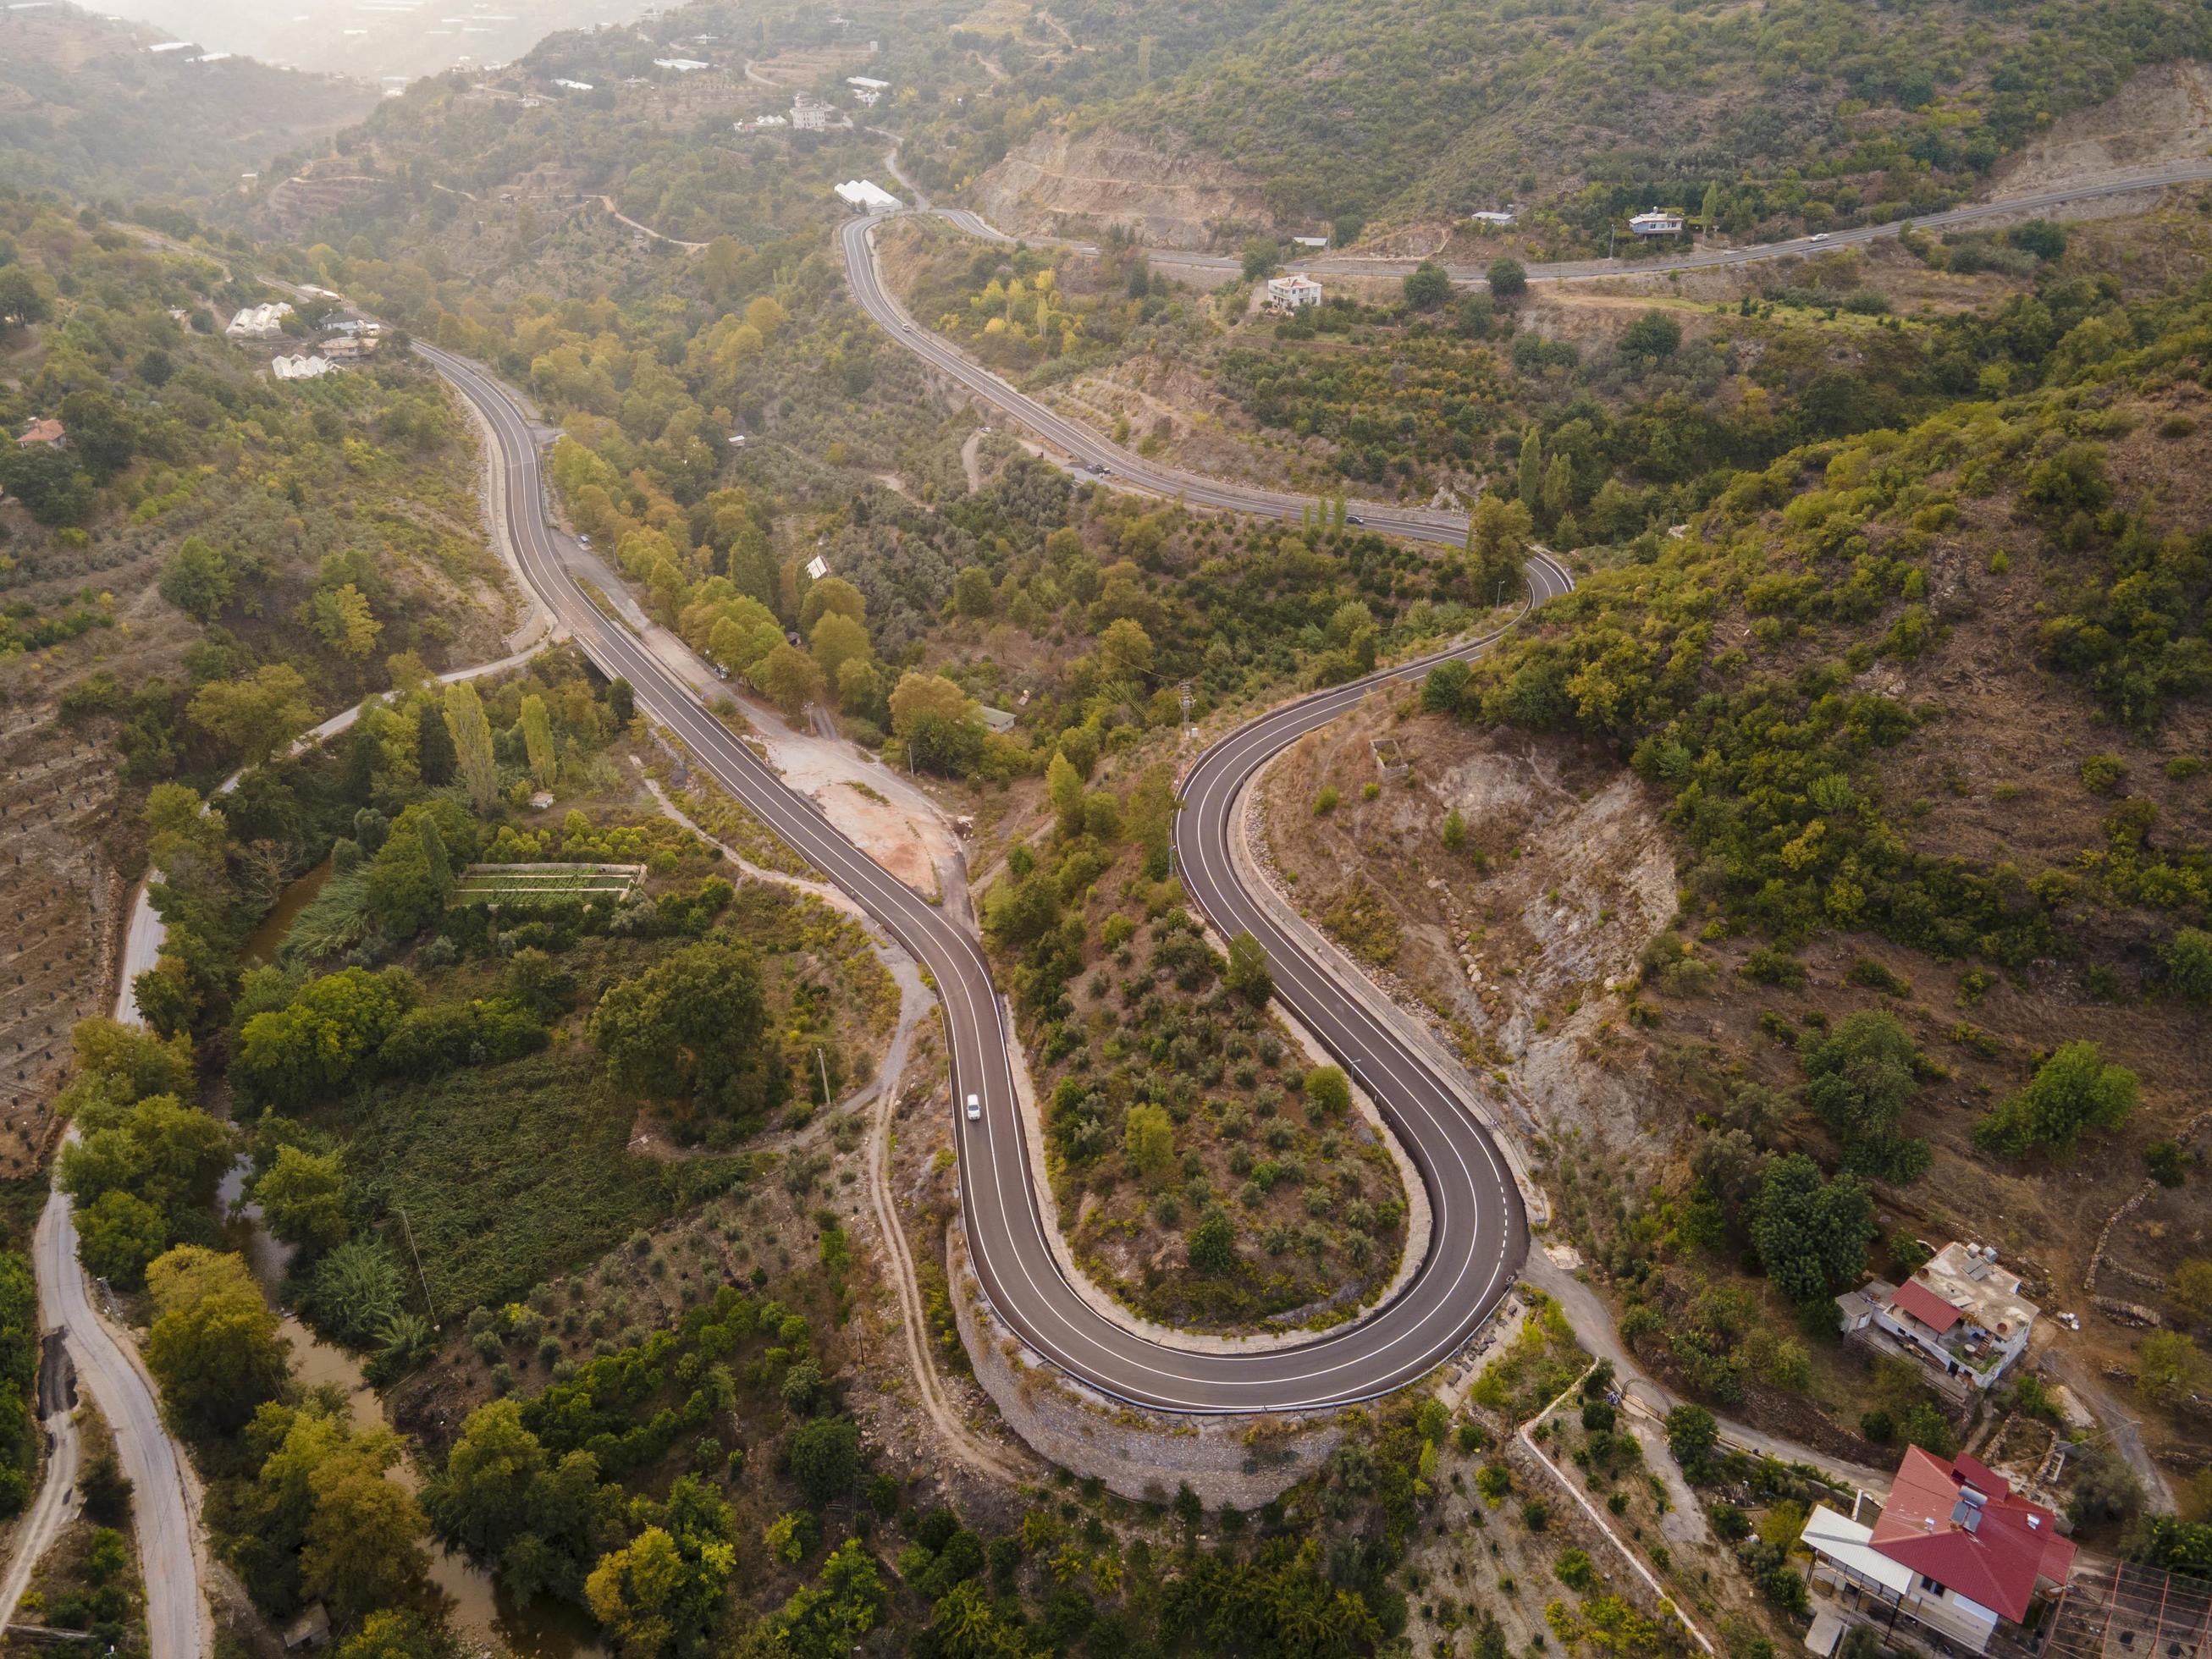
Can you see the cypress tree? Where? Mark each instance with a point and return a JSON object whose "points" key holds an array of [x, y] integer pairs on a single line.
{"points": [[1532, 469], [433, 746]]}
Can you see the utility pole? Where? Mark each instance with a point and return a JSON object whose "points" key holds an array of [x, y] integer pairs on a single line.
{"points": [[428, 1301], [824, 1065], [1182, 693]]}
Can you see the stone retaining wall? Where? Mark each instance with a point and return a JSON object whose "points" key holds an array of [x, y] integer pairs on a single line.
{"points": [[1241, 1461]]}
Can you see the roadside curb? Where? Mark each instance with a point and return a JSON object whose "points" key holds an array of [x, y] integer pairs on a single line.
{"points": [[1353, 978]]}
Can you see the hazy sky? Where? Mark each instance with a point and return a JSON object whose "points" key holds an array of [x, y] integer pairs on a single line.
{"points": [[374, 39]]}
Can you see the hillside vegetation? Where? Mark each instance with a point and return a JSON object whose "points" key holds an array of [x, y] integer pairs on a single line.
{"points": [[1814, 113], [1914, 942], [84, 107]]}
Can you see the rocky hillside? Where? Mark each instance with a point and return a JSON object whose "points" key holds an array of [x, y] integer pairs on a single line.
{"points": [[1168, 195], [1862, 821], [1816, 115]]}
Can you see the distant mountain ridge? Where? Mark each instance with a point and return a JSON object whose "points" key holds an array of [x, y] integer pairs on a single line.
{"points": [[390, 43], [86, 107]]}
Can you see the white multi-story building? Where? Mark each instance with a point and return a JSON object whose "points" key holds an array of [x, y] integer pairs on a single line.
{"points": [[1293, 292], [809, 113], [1961, 1316]]}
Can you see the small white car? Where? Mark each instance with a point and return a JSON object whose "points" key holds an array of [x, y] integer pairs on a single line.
{"points": [[1818, 236], [974, 1109]]}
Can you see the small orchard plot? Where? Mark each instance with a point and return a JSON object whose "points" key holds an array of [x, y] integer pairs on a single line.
{"points": [[526, 885]]}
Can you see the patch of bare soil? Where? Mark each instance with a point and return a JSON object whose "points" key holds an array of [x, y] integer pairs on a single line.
{"points": [[2162, 115], [2148, 252], [1174, 415], [1059, 185], [1512, 940]]}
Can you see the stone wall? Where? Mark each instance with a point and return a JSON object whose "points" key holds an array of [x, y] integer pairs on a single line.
{"points": [[1241, 1461]]}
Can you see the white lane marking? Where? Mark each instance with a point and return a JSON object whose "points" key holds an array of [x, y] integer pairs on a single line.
{"points": [[686, 716]]}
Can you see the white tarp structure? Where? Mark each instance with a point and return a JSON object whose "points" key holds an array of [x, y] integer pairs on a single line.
{"points": [[308, 366], [259, 322], [863, 196]]}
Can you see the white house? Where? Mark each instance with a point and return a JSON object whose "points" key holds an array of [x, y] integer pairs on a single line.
{"points": [[1657, 221], [1961, 1317], [1293, 292], [259, 322], [865, 196], [1495, 217], [1314, 244], [809, 113], [867, 88], [567, 85]]}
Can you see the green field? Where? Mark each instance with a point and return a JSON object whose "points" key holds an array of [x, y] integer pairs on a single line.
{"points": [[509, 1175], [538, 883]]}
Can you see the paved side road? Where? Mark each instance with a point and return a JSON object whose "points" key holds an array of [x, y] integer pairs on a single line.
{"points": [[57, 1500], [1576, 270], [165, 1507]]}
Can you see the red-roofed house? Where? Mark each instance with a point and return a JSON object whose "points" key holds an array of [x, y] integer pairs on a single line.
{"points": [[1953, 1559], [49, 433], [1961, 1317]]}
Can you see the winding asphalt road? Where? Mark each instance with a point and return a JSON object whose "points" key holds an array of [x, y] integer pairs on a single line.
{"points": [[2127, 183], [1477, 1234], [1095, 456]]}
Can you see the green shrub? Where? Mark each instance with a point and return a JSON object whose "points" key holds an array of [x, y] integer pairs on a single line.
{"points": [[1878, 977], [2073, 1094], [2102, 774], [1767, 966]]}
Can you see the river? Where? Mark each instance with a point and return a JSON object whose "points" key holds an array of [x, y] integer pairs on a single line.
{"points": [[261, 948]]}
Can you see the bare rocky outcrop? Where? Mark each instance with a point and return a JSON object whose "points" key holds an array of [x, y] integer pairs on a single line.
{"points": [[2162, 115], [1053, 184]]}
